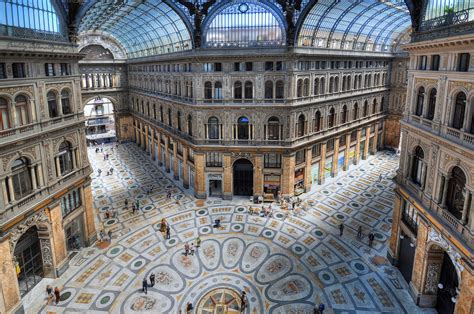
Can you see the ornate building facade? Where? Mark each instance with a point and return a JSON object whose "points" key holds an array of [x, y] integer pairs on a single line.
{"points": [[45, 200], [432, 238]]}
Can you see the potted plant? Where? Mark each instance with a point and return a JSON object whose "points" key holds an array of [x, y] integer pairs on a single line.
{"points": [[449, 13]]}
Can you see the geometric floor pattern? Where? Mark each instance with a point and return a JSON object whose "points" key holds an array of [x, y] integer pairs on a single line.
{"points": [[286, 264]]}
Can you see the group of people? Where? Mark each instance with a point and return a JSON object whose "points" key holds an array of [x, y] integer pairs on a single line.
{"points": [[53, 294], [265, 211], [105, 236], [165, 228], [359, 233]]}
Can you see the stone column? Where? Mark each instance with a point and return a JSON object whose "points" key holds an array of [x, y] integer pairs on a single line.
{"points": [[367, 143], [357, 148], [40, 175], [10, 188], [166, 154], [376, 138], [4, 195], [8, 280], [322, 163], [307, 170], [74, 159], [288, 176], [175, 161], [228, 177], [160, 151], [185, 168], [89, 224], [57, 238], [467, 201], [346, 152], [200, 176], [152, 146], [335, 157], [393, 247], [145, 147], [33, 177], [445, 190], [258, 175], [58, 167]]}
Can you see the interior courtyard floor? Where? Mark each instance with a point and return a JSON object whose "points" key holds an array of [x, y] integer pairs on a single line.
{"points": [[286, 264]]}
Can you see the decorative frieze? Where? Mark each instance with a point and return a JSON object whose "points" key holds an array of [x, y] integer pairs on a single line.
{"points": [[434, 236]]}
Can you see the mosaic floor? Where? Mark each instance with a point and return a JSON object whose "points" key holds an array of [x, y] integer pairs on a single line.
{"points": [[286, 264]]}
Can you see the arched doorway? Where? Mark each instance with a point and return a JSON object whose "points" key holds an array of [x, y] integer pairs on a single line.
{"points": [[100, 121], [30, 262], [448, 283], [243, 177]]}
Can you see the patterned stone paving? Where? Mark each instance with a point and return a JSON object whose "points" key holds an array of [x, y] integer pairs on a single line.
{"points": [[286, 263]]}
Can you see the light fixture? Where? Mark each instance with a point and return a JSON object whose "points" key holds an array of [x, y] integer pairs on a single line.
{"points": [[402, 237], [454, 300], [440, 285], [411, 244]]}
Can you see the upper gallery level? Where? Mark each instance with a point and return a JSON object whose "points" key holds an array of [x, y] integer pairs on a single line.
{"points": [[39, 88]]}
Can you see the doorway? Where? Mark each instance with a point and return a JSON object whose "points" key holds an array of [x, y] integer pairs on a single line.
{"points": [[407, 257], [215, 187], [243, 177], [449, 280], [30, 262]]}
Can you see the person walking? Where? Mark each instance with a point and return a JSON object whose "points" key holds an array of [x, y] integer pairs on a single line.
{"points": [[198, 242], [137, 204], [341, 229], [191, 250], [99, 172], [152, 279], [49, 293], [145, 286], [111, 170], [321, 308], [168, 232], [57, 294], [371, 239], [380, 177], [109, 233], [359, 232], [126, 203], [186, 249]]}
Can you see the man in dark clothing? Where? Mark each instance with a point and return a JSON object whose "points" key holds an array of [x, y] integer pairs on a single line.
{"points": [[152, 279], [145, 286], [168, 232], [371, 239], [359, 232], [341, 229]]}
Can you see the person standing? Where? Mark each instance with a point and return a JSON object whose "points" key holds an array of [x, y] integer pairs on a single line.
{"points": [[359, 232], [49, 293], [380, 177], [99, 172], [198, 242], [168, 232], [109, 233], [371, 239], [57, 294], [243, 301], [341, 229], [321, 308], [186, 249], [145, 286], [152, 279]]}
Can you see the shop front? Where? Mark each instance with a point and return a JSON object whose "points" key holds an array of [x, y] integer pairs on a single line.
{"points": [[271, 184], [299, 181], [352, 153], [328, 167], [214, 184], [315, 173], [340, 161], [74, 234]]}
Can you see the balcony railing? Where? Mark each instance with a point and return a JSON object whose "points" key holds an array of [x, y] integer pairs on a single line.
{"points": [[37, 127], [410, 223]]}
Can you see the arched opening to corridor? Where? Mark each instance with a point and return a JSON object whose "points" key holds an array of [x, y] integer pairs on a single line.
{"points": [[100, 122], [29, 260], [448, 283], [243, 177]]}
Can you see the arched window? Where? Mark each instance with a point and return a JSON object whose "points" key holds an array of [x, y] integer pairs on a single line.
{"points": [[300, 126], [268, 90], [21, 178], [322, 89], [306, 88], [154, 111], [355, 115], [161, 114], [374, 106], [273, 128], [178, 116], [299, 88], [316, 86], [190, 125], [417, 166], [459, 111], [419, 101], [317, 121], [218, 90], [431, 104], [366, 109], [65, 158], [456, 194], [336, 84], [4, 114], [279, 90], [238, 90], [52, 105], [208, 90], [213, 128], [348, 85], [344, 114], [21, 107], [332, 118], [248, 90], [331, 84], [243, 128]]}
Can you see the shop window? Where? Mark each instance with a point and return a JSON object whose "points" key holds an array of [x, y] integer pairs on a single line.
{"points": [[316, 150], [18, 70], [70, 202], [21, 178], [272, 160], [463, 62], [459, 111], [49, 69], [300, 156], [213, 160], [435, 62]]}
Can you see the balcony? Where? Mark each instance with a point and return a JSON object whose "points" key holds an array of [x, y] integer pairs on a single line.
{"points": [[24, 131], [440, 214]]}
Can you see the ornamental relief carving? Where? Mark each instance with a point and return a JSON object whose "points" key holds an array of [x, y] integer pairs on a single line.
{"points": [[425, 81], [46, 252], [431, 281], [40, 220], [13, 90], [59, 86], [434, 236], [459, 84], [238, 155]]}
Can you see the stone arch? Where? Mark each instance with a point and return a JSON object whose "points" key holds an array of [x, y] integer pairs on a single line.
{"points": [[448, 167], [24, 93], [29, 156]]}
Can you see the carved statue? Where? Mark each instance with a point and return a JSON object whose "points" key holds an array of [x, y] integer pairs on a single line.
{"points": [[289, 8], [198, 11]]}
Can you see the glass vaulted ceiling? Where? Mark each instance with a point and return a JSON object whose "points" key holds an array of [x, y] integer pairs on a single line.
{"points": [[369, 25], [144, 28]]}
